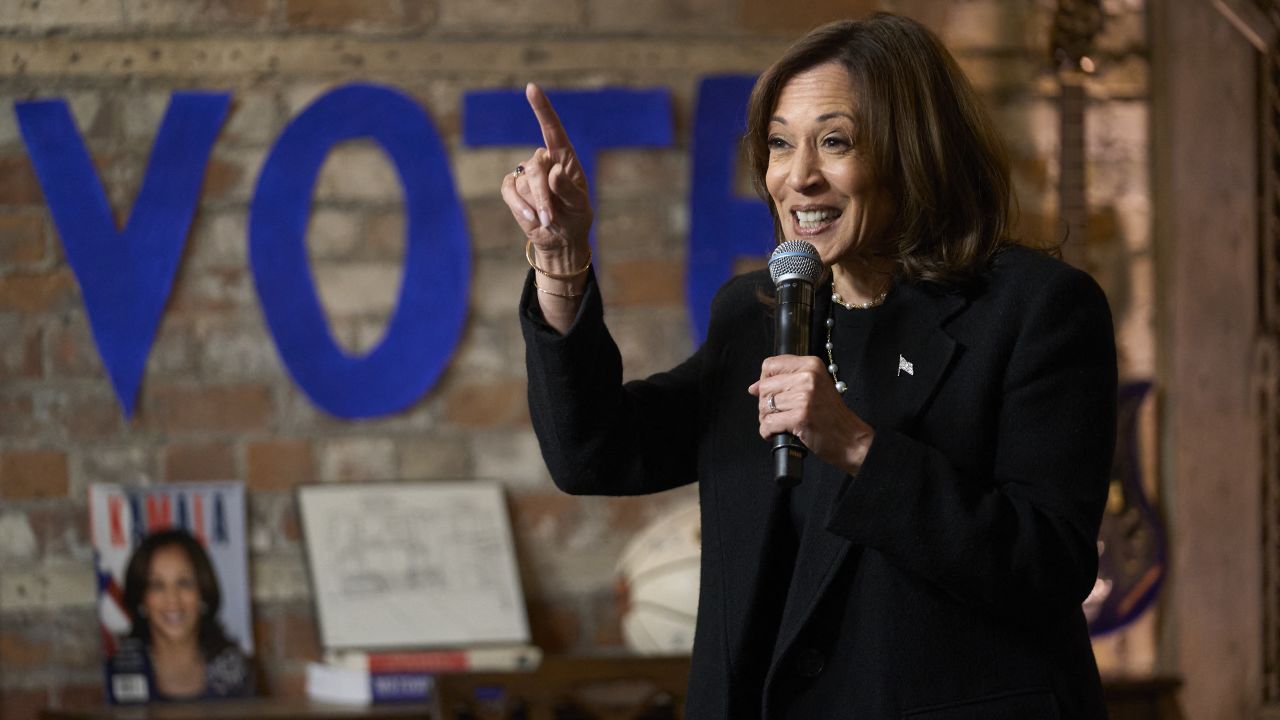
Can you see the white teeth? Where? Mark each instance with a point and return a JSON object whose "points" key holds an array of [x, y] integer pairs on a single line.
{"points": [[813, 218]]}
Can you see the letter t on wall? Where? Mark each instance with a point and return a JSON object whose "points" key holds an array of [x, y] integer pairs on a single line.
{"points": [[722, 225]]}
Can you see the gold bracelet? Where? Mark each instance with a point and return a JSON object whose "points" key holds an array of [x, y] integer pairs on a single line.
{"points": [[568, 296], [528, 255]]}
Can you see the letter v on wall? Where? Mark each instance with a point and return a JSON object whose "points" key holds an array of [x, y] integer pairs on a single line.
{"points": [[126, 275]]}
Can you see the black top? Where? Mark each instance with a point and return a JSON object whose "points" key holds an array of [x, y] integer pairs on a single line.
{"points": [[802, 505], [849, 339], [946, 579]]}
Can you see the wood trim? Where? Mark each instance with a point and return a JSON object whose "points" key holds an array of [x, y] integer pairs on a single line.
{"points": [[1073, 210], [1267, 368], [1206, 163], [1250, 21], [1269, 199], [1267, 389]]}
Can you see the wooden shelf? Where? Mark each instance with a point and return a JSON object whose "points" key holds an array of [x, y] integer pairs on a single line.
{"points": [[257, 709], [562, 688]]}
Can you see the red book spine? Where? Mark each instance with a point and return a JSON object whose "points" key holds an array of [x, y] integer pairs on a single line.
{"points": [[434, 661]]}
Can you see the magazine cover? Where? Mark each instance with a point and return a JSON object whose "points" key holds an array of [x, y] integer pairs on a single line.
{"points": [[173, 590]]}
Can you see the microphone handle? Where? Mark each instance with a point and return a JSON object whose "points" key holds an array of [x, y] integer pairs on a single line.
{"points": [[792, 318]]}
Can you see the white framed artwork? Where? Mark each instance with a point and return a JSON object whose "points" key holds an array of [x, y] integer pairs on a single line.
{"points": [[412, 565]]}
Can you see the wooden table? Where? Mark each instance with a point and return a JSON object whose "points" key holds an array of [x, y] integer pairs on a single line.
{"points": [[257, 709]]}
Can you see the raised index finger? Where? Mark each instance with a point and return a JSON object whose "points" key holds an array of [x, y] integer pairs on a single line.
{"points": [[553, 133]]}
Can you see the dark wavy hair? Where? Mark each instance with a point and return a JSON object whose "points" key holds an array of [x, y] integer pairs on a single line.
{"points": [[212, 638], [925, 133]]}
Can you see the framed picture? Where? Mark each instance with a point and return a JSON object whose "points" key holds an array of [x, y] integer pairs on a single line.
{"points": [[412, 565], [172, 576]]}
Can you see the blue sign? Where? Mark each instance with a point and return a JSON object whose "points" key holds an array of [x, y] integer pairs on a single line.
{"points": [[722, 225], [125, 275], [594, 120], [429, 316]]}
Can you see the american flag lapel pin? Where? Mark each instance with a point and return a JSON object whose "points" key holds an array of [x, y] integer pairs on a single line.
{"points": [[906, 366]]}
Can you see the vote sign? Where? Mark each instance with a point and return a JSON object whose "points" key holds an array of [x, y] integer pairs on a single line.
{"points": [[126, 274]]}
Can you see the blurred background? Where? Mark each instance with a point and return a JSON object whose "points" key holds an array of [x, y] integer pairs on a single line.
{"points": [[1180, 156]]}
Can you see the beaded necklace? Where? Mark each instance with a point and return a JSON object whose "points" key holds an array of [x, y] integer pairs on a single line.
{"points": [[832, 368]]}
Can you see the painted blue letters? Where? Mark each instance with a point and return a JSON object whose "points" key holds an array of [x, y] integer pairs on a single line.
{"points": [[722, 226], [125, 276], [431, 310], [595, 120]]}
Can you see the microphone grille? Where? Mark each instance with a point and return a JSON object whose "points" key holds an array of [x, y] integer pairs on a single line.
{"points": [[795, 260]]}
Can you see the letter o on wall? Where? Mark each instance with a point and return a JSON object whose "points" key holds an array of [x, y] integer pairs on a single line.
{"points": [[430, 312]]}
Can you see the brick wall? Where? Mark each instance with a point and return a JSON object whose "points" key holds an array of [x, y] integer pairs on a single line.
{"points": [[216, 401]]}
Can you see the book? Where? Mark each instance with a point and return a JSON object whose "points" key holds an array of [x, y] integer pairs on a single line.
{"points": [[355, 686], [172, 576], [505, 658]]}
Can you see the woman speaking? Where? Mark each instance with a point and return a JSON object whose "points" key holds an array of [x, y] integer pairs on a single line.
{"points": [[957, 402]]}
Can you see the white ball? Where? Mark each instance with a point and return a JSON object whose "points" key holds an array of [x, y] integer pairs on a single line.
{"points": [[660, 569]]}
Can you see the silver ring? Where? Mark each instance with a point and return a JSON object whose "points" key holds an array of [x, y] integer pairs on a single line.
{"points": [[519, 171], [773, 408]]}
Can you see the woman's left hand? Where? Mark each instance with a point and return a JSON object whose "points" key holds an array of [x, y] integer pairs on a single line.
{"points": [[805, 403]]}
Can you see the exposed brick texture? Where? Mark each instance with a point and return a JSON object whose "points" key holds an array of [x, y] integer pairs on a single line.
{"points": [[220, 178], [16, 415], [556, 624], [488, 404], [397, 15], [216, 400], [23, 704], [37, 294], [23, 649], [85, 415], [357, 458], [298, 635], [21, 357], [214, 461], [282, 683], [606, 620], [22, 240], [72, 352], [185, 408], [27, 474], [769, 17], [60, 530], [18, 184], [213, 291], [225, 14], [286, 633], [278, 464], [646, 283]]}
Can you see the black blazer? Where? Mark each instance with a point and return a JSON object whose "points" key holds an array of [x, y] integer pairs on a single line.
{"points": [[947, 578]]}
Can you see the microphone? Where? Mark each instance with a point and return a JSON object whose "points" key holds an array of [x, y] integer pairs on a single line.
{"points": [[795, 267]]}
